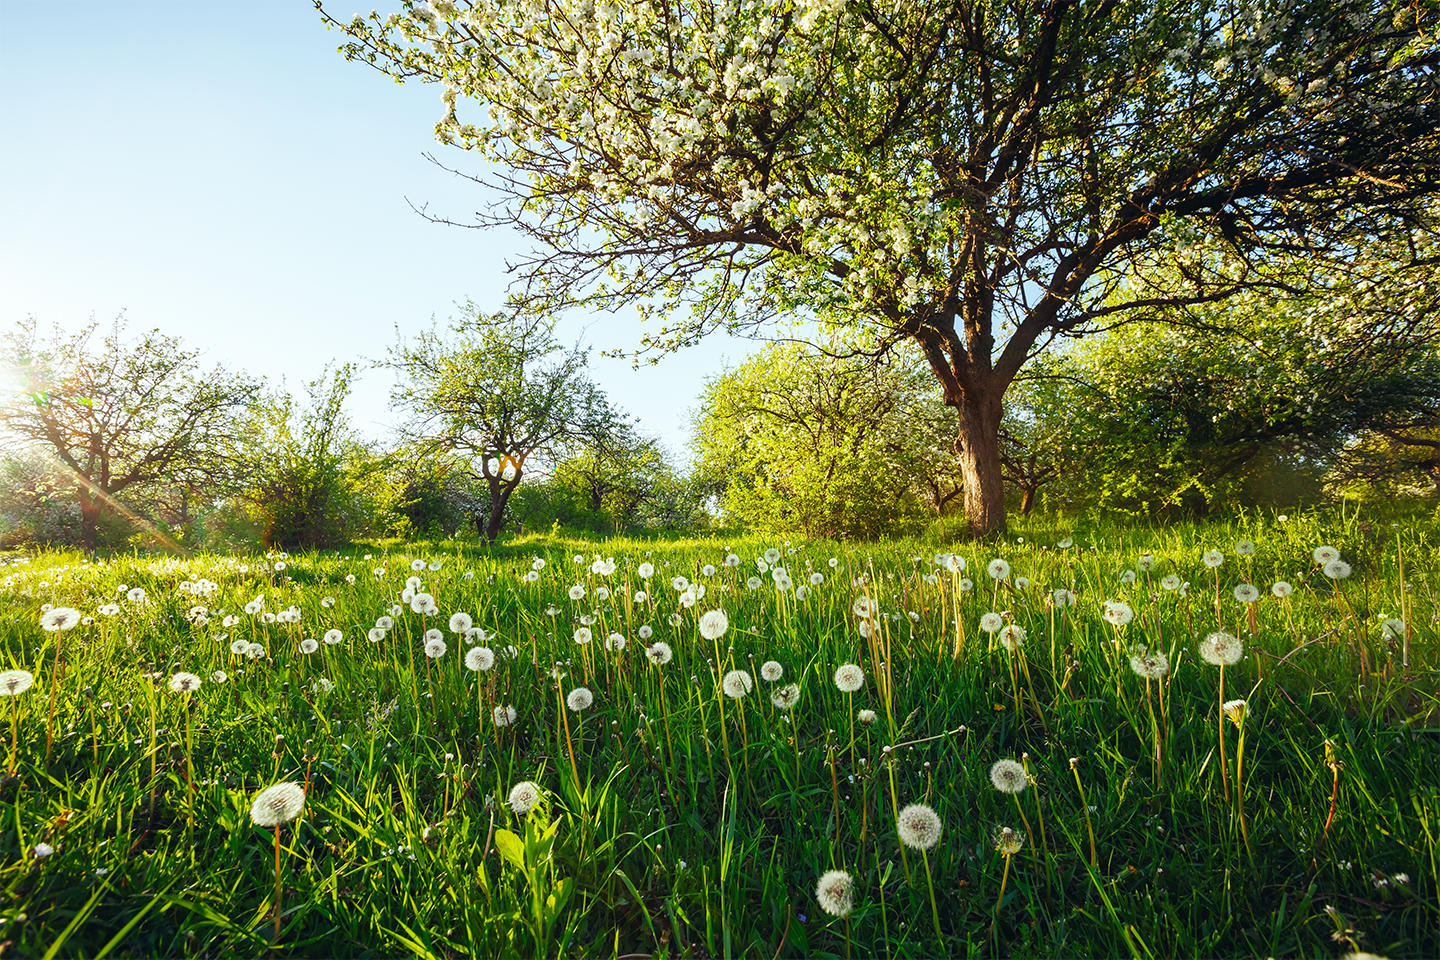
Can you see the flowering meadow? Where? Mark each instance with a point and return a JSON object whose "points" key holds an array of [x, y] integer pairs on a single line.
{"points": [[1193, 740]]}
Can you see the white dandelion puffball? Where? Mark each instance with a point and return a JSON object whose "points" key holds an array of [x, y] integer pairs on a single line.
{"points": [[15, 682], [1008, 776], [1022, 583], [836, 893], [417, 565], [680, 584], [919, 827], [42, 850], [523, 796], [1221, 649], [1324, 555], [136, 595], [1151, 666], [1392, 629], [583, 635], [659, 653], [786, 697], [479, 658], [1012, 637], [771, 670], [1127, 576], [460, 622], [254, 651], [772, 555], [1063, 598], [1244, 547], [966, 584], [645, 632], [435, 648], [376, 634], [577, 592], [60, 618], [1247, 592], [991, 622], [1118, 612], [713, 624], [736, 684], [1146, 563], [277, 804], [646, 570], [238, 647], [503, 716], [834, 562], [434, 634], [333, 637], [602, 593], [708, 570], [865, 716], [754, 583], [641, 596], [817, 578], [861, 608], [1337, 569], [384, 623], [1170, 582], [537, 564], [1281, 589], [615, 642], [309, 645], [219, 676], [530, 576], [849, 678], [1213, 558], [732, 560], [998, 569], [579, 699]]}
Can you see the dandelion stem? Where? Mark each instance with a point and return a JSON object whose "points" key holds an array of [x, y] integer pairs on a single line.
{"points": [[279, 891], [1005, 878], [1220, 728], [934, 911], [1075, 769]]}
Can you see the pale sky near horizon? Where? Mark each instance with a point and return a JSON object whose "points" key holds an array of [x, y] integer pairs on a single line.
{"points": [[215, 169]]}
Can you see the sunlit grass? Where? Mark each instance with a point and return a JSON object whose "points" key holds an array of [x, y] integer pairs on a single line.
{"points": [[675, 818]]}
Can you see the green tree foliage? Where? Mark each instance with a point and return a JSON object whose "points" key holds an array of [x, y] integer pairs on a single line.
{"points": [[312, 478], [1154, 414], [799, 440], [119, 419], [976, 178], [500, 393], [434, 495]]}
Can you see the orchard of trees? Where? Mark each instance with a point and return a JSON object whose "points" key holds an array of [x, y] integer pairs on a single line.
{"points": [[1150, 258]]}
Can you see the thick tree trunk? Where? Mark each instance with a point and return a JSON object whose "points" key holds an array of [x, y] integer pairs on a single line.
{"points": [[89, 522], [978, 444], [1027, 502]]}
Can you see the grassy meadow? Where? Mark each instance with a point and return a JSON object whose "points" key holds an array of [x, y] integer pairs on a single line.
{"points": [[681, 809]]}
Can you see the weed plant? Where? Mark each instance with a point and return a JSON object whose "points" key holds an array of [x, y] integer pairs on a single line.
{"points": [[675, 812]]}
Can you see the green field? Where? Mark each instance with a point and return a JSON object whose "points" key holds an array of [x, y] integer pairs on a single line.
{"points": [[674, 819]]}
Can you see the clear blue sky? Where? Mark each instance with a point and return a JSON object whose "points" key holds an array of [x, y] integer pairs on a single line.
{"points": [[218, 171]]}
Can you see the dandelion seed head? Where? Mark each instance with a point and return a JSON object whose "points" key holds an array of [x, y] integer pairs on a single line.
{"points": [[503, 716], [849, 678], [998, 569], [15, 682], [1118, 612], [1247, 592], [435, 648], [1281, 589], [1324, 554], [713, 624], [919, 826], [1009, 841], [736, 684], [991, 622], [1012, 637], [1213, 558], [1221, 649], [277, 804], [523, 796], [579, 699], [786, 697], [659, 653], [1008, 776], [479, 658], [460, 622], [1336, 569], [836, 893], [771, 670], [57, 619]]}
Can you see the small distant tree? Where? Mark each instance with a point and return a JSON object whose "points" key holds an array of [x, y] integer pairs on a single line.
{"points": [[119, 415], [504, 393], [309, 468]]}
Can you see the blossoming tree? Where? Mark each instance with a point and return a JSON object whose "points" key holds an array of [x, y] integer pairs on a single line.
{"points": [[975, 177]]}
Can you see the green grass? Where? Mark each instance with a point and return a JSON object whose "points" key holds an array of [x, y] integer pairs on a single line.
{"points": [[700, 825]]}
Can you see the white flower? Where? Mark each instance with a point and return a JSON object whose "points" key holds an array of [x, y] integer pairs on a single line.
{"points": [[42, 850], [238, 647], [849, 678], [1007, 776], [1281, 589], [376, 634], [966, 585], [865, 716], [417, 565], [615, 642], [523, 795], [754, 583], [991, 622], [645, 570], [577, 592], [583, 635], [998, 569], [1337, 569], [680, 584], [60, 618], [1244, 547], [736, 684], [833, 563], [277, 804], [1246, 592], [1022, 583], [479, 658], [708, 570], [771, 670], [786, 697], [15, 682], [1066, 543], [1152, 666], [1221, 649], [861, 608], [254, 651], [659, 653], [1012, 637], [460, 622], [1392, 629], [333, 636], [645, 632], [772, 555], [713, 624], [816, 579], [1170, 582], [579, 699], [309, 646], [435, 648], [219, 676], [136, 595], [1146, 562], [503, 716], [919, 827], [1127, 576], [1118, 612], [1063, 597], [836, 893], [1324, 555], [1213, 558]]}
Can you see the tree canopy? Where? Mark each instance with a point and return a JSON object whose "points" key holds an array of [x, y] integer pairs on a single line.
{"points": [[977, 178]]}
